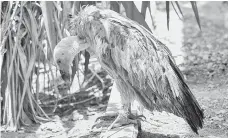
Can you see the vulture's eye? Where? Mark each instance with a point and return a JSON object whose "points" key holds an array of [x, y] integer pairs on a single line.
{"points": [[58, 61]]}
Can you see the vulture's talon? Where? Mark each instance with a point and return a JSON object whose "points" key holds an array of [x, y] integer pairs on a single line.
{"points": [[137, 117], [126, 119]]}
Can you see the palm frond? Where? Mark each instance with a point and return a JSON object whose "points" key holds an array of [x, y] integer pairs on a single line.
{"points": [[47, 9], [195, 10], [178, 6], [144, 6], [176, 10], [133, 13], [167, 13]]}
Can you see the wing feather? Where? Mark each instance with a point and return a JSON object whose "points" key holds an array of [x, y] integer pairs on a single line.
{"points": [[148, 67]]}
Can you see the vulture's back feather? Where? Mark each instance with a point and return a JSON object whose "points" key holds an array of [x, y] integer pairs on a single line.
{"points": [[129, 51]]}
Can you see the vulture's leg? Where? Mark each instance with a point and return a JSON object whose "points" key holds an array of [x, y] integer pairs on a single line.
{"points": [[125, 115]]}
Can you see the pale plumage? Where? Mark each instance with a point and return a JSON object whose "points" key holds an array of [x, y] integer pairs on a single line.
{"points": [[141, 65]]}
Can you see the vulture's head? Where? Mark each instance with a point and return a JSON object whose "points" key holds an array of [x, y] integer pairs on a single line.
{"points": [[64, 53]]}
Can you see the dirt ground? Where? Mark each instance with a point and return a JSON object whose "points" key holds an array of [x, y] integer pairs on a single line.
{"points": [[204, 65]]}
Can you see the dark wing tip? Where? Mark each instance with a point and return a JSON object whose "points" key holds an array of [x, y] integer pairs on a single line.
{"points": [[192, 111]]}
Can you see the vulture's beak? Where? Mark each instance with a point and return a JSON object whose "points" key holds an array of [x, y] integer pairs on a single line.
{"points": [[65, 76]]}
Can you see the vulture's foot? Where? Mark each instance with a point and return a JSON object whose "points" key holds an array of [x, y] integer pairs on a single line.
{"points": [[121, 119], [126, 119]]}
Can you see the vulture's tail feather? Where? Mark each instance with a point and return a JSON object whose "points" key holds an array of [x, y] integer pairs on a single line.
{"points": [[192, 112]]}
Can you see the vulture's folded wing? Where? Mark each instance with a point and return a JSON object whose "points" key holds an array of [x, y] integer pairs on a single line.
{"points": [[146, 65]]}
